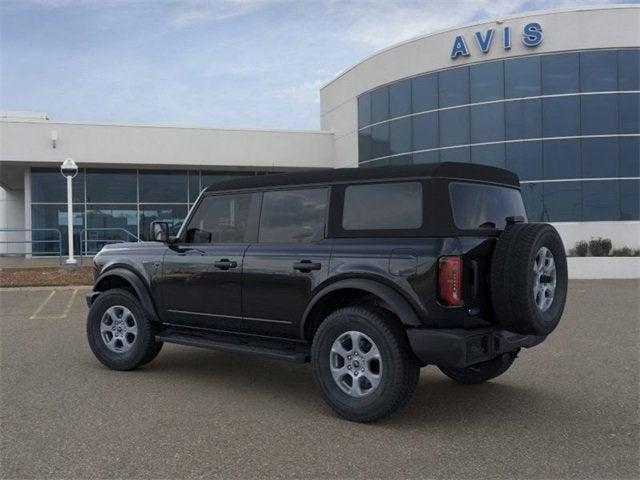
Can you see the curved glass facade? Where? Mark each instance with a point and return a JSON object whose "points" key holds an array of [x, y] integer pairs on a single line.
{"points": [[567, 124]]}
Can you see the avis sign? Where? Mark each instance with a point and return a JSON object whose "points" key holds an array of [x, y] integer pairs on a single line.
{"points": [[531, 37]]}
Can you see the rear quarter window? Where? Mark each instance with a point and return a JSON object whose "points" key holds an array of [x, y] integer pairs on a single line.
{"points": [[383, 206], [476, 206]]}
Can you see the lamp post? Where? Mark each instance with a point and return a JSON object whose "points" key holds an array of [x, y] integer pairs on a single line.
{"points": [[69, 169]]}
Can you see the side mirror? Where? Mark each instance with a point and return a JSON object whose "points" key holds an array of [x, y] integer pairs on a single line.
{"points": [[160, 232]]}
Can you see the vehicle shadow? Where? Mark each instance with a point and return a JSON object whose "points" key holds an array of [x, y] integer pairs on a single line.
{"points": [[437, 400]]}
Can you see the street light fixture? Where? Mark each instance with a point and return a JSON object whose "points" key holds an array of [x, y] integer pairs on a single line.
{"points": [[69, 169]]}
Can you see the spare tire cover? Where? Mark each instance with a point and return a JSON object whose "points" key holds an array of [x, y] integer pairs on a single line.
{"points": [[528, 278]]}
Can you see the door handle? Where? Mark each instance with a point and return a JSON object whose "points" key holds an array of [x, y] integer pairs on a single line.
{"points": [[225, 264], [306, 266]]}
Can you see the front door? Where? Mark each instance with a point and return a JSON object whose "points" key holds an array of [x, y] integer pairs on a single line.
{"points": [[202, 271], [289, 260]]}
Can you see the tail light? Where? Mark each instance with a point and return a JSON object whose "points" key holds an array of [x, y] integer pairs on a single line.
{"points": [[450, 280]]}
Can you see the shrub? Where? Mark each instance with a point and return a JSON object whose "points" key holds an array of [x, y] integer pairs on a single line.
{"points": [[581, 249], [600, 247], [625, 252]]}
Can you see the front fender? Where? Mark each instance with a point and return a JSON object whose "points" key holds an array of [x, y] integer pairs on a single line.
{"points": [[142, 290], [397, 304]]}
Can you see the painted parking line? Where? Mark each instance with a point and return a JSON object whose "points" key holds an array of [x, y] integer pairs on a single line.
{"points": [[38, 314]]}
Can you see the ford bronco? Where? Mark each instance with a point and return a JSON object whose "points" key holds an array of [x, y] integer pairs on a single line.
{"points": [[369, 274]]}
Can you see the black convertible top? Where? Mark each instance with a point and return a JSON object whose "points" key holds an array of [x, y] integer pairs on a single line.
{"points": [[462, 171]]}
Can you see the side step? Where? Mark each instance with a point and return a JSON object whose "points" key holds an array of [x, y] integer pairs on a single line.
{"points": [[286, 350]]}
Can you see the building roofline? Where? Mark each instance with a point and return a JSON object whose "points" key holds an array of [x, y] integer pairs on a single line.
{"points": [[168, 126], [480, 22]]}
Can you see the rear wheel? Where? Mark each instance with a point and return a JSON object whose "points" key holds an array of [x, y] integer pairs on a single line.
{"points": [[481, 372], [363, 364], [529, 278], [119, 333]]}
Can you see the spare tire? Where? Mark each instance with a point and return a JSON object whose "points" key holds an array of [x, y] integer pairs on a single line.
{"points": [[528, 278]]}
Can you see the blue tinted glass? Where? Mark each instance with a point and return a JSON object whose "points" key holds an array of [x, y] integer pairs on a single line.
{"points": [[105, 186], [525, 159], [54, 216], [630, 200], [400, 160], [532, 198], [600, 157], [630, 157], [487, 81], [454, 126], [194, 186], [49, 186], [400, 98], [562, 201], [461, 154], [561, 116], [400, 135], [426, 157], [600, 200], [454, 87], [599, 71], [425, 92], [425, 131], [522, 77], [163, 186], [561, 159], [523, 119], [487, 123], [629, 112], [629, 69], [380, 140], [599, 114], [380, 104], [365, 147], [364, 110], [488, 155], [560, 73]]}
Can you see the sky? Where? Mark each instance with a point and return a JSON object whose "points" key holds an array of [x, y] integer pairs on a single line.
{"points": [[217, 63]]}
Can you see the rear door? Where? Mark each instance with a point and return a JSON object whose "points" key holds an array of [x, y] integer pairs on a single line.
{"points": [[202, 273], [289, 260]]}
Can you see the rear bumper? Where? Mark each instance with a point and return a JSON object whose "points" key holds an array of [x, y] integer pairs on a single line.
{"points": [[457, 347]]}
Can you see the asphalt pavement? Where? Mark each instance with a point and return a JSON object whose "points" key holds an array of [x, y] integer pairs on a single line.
{"points": [[568, 408]]}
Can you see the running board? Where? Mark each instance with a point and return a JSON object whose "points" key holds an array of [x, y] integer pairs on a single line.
{"points": [[286, 350]]}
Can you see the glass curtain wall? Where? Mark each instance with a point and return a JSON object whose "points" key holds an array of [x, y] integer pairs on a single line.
{"points": [[111, 205], [567, 124]]}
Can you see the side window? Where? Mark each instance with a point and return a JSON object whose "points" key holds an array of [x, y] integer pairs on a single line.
{"points": [[383, 206], [293, 216], [224, 219]]}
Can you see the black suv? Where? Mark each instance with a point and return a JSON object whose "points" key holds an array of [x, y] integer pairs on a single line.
{"points": [[368, 273]]}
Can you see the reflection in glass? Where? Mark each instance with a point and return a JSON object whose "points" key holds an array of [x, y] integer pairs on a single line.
{"points": [[425, 131], [454, 87], [629, 69], [562, 201], [492, 155], [400, 98], [561, 159], [487, 81], [174, 215], [487, 123], [629, 112], [55, 216], [600, 200], [523, 119], [560, 73], [522, 77], [454, 127], [163, 186], [48, 185], [400, 135], [629, 199], [109, 224], [599, 114], [365, 147], [600, 157], [380, 140], [525, 159], [112, 186], [561, 116], [380, 104], [424, 93], [599, 71]]}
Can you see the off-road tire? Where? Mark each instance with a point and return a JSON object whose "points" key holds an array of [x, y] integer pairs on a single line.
{"points": [[145, 347], [512, 278], [400, 371], [481, 372]]}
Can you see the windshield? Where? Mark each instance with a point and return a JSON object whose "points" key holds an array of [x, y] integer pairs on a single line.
{"points": [[476, 206]]}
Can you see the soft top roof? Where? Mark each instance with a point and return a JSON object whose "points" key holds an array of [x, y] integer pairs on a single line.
{"points": [[462, 171]]}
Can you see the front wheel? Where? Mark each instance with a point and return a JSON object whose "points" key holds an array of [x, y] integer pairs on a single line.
{"points": [[480, 372], [120, 334], [363, 364]]}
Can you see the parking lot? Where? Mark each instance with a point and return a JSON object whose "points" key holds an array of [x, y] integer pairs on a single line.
{"points": [[567, 409]]}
